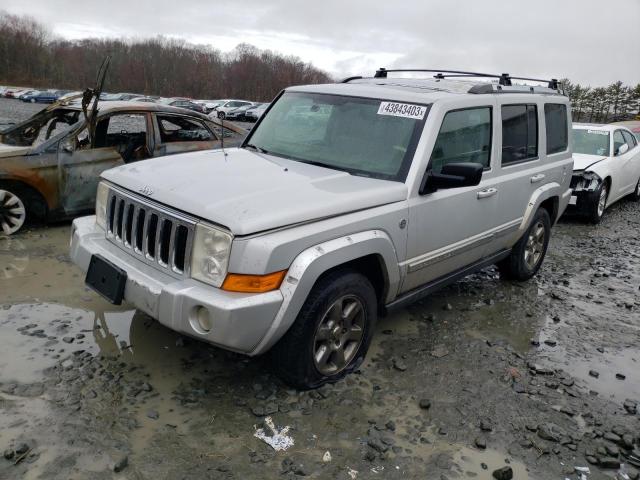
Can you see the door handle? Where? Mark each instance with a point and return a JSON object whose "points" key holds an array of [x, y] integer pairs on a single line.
{"points": [[537, 178], [489, 192]]}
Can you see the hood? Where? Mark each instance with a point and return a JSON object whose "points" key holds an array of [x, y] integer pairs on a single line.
{"points": [[582, 161], [249, 192], [12, 151]]}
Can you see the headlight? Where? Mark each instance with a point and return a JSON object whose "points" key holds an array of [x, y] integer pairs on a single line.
{"points": [[210, 255], [102, 196]]}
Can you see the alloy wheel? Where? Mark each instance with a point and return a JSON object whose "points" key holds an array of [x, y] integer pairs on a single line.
{"points": [[339, 335], [602, 201], [12, 212], [535, 245]]}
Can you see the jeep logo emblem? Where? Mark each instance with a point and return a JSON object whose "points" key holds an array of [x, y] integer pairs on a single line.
{"points": [[146, 190]]}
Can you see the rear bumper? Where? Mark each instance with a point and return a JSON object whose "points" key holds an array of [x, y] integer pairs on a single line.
{"points": [[239, 321]]}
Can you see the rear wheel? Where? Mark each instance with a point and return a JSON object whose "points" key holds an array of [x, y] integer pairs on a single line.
{"points": [[331, 334], [598, 203], [13, 211], [527, 255]]}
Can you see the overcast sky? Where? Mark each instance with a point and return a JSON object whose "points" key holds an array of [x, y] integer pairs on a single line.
{"points": [[589, 41]]}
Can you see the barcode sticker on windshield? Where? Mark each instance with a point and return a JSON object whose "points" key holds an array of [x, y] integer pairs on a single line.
{"points": [[406, 110], [598, 132]]}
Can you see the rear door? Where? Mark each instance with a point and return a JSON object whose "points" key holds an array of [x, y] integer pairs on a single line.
{"points": [[534, 152]]}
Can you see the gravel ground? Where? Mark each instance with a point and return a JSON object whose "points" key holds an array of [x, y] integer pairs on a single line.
{"points": [[482, 378]]}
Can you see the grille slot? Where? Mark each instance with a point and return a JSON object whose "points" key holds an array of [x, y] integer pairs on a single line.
{"points": [[157, 236]]}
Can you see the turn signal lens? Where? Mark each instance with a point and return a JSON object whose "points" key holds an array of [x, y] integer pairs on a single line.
{"points": [[236, 282]]}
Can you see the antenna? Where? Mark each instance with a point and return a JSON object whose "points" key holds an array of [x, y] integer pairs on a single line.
{"points": [[222, 135]]}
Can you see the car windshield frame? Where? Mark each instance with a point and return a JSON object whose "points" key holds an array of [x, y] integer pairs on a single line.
{"points": [[404, 165], [605, 134]]}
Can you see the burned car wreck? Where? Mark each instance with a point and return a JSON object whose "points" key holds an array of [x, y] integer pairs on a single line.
{"points": [[50, 164]]}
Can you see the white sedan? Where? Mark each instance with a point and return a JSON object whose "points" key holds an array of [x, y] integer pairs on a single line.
{"points": [[606, 168]]}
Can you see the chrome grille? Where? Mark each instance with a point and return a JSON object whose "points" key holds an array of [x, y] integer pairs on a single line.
{"points": [[154, 234]]}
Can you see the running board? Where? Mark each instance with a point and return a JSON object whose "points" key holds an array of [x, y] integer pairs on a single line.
{"points": [[434, 285]]}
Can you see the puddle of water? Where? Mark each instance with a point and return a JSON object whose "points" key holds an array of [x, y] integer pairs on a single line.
{"points": [[470, 462], [607, 364]]}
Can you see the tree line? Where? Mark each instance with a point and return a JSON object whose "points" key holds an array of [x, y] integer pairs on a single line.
{"points": [[31, 56], [616, 102]]}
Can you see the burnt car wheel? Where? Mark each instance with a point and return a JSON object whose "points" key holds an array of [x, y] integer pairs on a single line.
{"points": [[527, 255], [331, 334], [13, 212], [598, 203], [221, 115]]}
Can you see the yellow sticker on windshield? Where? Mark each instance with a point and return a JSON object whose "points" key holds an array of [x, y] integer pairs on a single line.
{"points": [[406, 110]]}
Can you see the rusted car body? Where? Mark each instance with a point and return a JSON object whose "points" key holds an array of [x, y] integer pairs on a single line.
{"points": [[52, 164]]}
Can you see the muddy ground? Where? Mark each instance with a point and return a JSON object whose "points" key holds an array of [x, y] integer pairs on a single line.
{"points": [[484, 375]]}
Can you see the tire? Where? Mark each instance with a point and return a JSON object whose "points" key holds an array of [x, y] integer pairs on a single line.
{"points": [[308, 355], [221, 115], [33, 100], [598, 203], [13, 210], [635, 196], [528, 253]]}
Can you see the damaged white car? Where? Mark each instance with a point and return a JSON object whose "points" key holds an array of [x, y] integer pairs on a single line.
{"points": [[606, 168]]}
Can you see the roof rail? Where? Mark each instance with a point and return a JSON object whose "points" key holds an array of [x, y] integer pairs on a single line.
{"points": [[503, 79]]}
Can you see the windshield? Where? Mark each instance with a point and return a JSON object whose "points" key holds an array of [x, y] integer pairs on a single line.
{"points": [[40, 128], [591, 142], [363, 136]]}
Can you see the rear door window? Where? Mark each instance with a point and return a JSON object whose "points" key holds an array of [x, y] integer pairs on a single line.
{"points": [[465, 136], [629, 139], [181, 129], [519, 133], [557, 127]]}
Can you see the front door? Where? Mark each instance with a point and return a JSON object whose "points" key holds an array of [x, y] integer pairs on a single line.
{"points": [[79, 170], [452, 228]]}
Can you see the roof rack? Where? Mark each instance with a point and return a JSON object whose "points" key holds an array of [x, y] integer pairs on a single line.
{"points": [[504, 79]]}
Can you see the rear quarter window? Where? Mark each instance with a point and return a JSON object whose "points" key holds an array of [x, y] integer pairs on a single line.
{"points": [[557, 127]]}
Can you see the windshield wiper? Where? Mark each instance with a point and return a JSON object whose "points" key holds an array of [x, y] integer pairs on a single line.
{"points": [[256, 148]]}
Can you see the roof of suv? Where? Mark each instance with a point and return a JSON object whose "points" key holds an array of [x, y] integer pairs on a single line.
{"points": [[429, 89]]}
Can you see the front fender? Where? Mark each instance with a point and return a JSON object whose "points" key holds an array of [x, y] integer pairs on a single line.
{"points": [[309, 265]]}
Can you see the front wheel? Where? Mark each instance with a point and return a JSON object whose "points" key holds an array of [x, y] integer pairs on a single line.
{"points": [[527, 255], [221, 115], [13, 212], [331, 335], [597, 204], [635, 196]]}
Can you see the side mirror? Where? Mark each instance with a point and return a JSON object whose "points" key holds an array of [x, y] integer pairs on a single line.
{"points": [[622, 149], [452, 175]]}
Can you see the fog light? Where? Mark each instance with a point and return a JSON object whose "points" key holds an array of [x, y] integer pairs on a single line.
{"points": [[201, 320]]}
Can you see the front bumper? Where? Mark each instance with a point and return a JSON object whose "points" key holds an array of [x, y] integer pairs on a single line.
{"points": [[581, 202], [239, 321]]}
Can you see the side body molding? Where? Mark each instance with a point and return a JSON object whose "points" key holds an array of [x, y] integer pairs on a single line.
{"points": [[309, 265]]}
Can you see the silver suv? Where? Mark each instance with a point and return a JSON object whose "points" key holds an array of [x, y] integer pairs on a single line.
{"points": [[345, 201]]}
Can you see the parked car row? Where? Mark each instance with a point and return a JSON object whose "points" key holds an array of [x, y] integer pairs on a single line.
{"points": [[233, 109]]}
